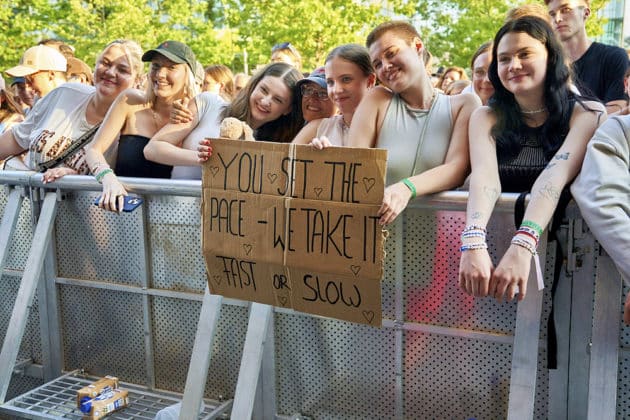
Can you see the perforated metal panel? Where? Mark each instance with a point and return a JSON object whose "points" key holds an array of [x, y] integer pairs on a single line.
{"points": [[175, 235], [174, 340], [94, 244], [334, 369], [103, 332], [22, 237]]}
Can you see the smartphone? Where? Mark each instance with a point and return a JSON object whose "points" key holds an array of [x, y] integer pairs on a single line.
{"points": [[131, 203]]}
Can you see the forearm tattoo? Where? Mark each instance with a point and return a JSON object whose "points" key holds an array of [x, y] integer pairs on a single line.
{"points": [[550, 192], [477, 215]]}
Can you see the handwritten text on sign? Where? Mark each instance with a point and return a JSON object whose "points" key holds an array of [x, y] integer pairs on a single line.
{"points": [[295, 227]]}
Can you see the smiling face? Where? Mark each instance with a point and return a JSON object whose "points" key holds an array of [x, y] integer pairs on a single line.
{"points": [[167, 78], [449, 78], [522, 63], [347, 84], [270, 99], [481, 84], [113, 72], [398, 65], [315, 102]]}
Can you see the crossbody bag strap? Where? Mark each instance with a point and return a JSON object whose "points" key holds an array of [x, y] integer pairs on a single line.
{"points": [[70, 151]]}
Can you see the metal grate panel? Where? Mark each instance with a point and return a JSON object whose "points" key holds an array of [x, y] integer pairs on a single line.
{"points": [[174, 342], [334, 369], [103, 332], [95, 244], [22, 236], [57, 400]]}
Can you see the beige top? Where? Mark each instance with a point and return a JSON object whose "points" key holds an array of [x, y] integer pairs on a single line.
{"points": [[416, 140], [335, 129]]}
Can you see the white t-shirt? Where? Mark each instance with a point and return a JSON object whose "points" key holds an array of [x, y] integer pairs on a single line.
{"points": [[209, 109], [55, 121]]}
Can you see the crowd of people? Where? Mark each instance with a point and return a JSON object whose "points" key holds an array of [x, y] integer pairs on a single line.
{"points": [[533, 113]]}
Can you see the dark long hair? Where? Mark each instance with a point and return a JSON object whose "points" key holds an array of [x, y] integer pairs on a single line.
{"points": [[284, 128], [558, 97]]}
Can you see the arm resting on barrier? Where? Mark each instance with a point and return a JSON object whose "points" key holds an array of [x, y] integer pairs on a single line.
{"points": [[513, 269], [475, 269]]}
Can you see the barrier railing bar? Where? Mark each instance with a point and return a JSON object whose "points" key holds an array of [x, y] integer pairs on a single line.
{"points": [[581, 265], [244, 395], [146, 277], [9, 221], [399, 314], [200, 357], [265, 406], [602, 385], [449, 200], [525, 348], [26, 292]]}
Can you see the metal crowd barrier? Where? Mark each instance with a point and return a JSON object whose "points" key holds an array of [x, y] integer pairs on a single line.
{"points": [[86, 290]]}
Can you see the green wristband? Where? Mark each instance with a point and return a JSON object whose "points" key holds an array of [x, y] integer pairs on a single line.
{"points": [[411, 187], [99, 177], [533, 225]]}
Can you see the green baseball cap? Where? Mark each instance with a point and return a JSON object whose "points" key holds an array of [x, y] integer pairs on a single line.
{"points": [[176, 51]]}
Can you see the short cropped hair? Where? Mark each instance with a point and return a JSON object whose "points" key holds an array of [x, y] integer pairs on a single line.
{"points": [[403, 29]]}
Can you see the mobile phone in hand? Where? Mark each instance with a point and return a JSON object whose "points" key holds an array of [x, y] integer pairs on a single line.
{"points": [[131, 203]]}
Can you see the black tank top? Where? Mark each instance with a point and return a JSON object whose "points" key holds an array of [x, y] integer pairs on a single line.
{"points": [[131, 161], [518, 171]]}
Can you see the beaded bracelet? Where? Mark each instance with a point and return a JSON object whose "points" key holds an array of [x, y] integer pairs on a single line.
{"points": [[524, 244], [99, 177], [470, 247], [411, 187], [529, 234], [474, 227], [473, 234], [533, 225]]}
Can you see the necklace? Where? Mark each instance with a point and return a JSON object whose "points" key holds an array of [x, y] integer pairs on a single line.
{"points": [[155, 120], [534, 111]]}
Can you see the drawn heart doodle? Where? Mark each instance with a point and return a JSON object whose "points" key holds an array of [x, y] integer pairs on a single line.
{"points": [[283, 300], [247, 248], [355, 269], [217, 279], [318, 191], [369, 316], [214, 170], [368, 183], [272, 177]]}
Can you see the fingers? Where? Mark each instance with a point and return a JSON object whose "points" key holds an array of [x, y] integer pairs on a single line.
{"points": [[320, 142], [626, 310], [180, 112], [204, 150], [54, 174]]}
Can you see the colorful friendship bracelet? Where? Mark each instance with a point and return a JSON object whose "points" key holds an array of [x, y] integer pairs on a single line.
{"points": [[95, 168], [470, 247], [474, 227], [99, 177], [524, 244], [528, 234], [411, 187]]}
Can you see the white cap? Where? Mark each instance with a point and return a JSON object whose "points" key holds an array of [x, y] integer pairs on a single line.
{"points": [[39, 58]]}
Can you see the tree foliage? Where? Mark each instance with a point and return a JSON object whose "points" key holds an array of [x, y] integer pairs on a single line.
{"points": [[232, 31]]}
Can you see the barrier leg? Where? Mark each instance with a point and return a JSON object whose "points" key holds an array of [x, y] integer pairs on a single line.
{"points": [[259, 319], [602, 396], [200, 358], [525, 349], [26, 292], [265, 405], [9, 220]]}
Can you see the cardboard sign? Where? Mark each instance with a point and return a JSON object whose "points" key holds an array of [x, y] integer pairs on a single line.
{"points": [[295, 227]]}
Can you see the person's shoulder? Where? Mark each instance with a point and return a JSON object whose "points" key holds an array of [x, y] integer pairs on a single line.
{"points": [[589, 106], [484, 112], [210, 98], [380, 94], [465, 100], [73, 90], [609, 50]]}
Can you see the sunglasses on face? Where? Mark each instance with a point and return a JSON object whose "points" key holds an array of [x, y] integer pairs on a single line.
{"points": [[307, 91]]}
